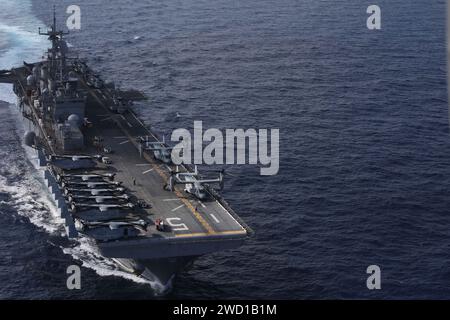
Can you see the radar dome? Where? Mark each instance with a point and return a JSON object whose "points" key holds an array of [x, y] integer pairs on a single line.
{"points": [[74, 119], [30, 80], [29, 138]]}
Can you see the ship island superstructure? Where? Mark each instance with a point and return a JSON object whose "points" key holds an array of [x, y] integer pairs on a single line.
{"points": [[110, 176]]}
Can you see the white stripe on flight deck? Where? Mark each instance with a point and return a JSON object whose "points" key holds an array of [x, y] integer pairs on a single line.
{"points": [[171, 199], [177, 208], [129, 124], [148, 170], [109, 118], [123, 142], [229, 214], [214, 217], [143, 164]]}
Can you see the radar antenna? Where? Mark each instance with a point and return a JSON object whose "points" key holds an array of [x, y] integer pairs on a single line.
{"points": [[52, 33], [56, 38]]}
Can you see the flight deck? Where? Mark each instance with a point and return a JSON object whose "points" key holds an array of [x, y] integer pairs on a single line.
{"points": [[112, 180], [186, 215]]}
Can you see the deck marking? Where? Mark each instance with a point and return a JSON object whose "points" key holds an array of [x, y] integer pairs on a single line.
{"points": [[230, 215], [204, 234], [196, 214], [123, 142], [124, 119], [177, 226], [214, 217], [171, 199], [146, 171], [109, 118], [120, 137], [143, 125], [195, 234], [234, 232], [201, 203], [143, 164], [163, 175], [178, 208]]}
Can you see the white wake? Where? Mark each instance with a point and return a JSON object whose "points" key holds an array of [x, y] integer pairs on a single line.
{"points": [[28, 194]]}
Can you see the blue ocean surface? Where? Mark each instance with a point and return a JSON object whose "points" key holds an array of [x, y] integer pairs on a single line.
{"points": [[364, 173]]}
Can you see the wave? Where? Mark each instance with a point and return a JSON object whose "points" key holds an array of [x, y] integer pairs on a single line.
{"points": [[20, 39], [22, 180], [28, 200], [24, 184], [86, 252]]}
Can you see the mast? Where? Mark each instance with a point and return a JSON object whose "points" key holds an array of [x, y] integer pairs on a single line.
{"points": [[54, 18], [55, 37]]}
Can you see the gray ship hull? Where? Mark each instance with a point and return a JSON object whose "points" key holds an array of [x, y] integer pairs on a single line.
{"points": [[157, 266], [159, 271], [107, 182]]}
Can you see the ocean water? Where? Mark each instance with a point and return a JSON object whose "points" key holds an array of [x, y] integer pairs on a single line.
{"points": [[363, 118]]}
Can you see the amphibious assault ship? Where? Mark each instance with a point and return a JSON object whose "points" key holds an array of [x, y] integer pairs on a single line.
{"points": [[110, 176]]}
